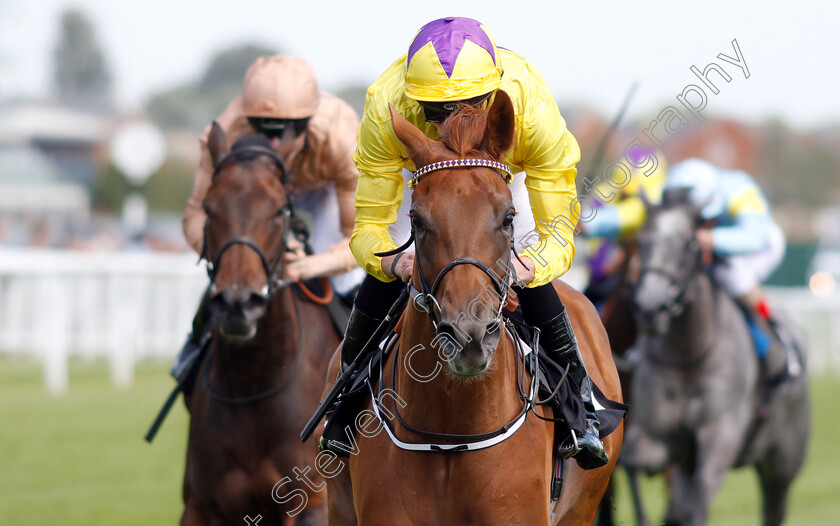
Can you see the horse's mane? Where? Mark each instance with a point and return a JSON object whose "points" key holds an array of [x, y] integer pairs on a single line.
{"points": [[673, 197], [463, 130]]}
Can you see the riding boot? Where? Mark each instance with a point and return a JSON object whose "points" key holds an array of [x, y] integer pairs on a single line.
{"points": [[794, 361], [340, 418], [185, 366], [558, 340]]}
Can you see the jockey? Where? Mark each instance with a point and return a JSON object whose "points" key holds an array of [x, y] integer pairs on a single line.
{"points": [[281, 92], [454, 60], [741, 233], [620, 213]]}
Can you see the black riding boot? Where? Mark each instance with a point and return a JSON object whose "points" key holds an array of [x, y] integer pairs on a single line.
{"points": [[558, 339], [183, 370], [360, 328]]}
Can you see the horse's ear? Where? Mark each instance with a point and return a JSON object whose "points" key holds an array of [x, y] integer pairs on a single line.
{"points": [[417, 145], [501, 125], [217, 143]]}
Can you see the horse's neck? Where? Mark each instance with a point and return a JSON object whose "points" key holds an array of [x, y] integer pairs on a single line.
{"points": [[254, 365], [693, 332], [446, 404]]}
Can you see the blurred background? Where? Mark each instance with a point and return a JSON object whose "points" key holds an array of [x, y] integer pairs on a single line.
{"points": [[101, 105]]}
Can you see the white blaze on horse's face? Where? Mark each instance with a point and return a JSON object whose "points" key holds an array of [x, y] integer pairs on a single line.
{"points": [[667, 263]]}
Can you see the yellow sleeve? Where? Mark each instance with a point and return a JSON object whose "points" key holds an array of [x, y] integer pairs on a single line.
{"points": [[632, 213], [549, 155], [380, 188], [747, 201]]}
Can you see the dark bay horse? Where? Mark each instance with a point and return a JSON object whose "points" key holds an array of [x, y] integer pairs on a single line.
{"points": [[263, 373], [699, 399], [474, 394]]}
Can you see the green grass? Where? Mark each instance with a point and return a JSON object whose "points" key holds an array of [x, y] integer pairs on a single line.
{"points": [[81, 460], [815, 498]]}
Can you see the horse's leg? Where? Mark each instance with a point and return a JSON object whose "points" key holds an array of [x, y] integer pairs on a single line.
{"points": [[636, 493], [605, 508], [339, 489], [680, 497], [313, 517], [195, 515], [717, 447], [774, 492], [340, 499]]}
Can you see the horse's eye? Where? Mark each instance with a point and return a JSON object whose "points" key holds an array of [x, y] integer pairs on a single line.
{"points": [[282, 211], [508, 220], [417, 223]]}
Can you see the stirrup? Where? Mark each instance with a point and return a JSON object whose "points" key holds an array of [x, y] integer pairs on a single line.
{"points": [[566, 450]]}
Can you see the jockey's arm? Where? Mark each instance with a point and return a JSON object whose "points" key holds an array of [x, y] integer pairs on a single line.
{"points": [[616, 219], [380, 189], [549, 154], [747, 234], [194, 216], [749, 229], [338, 157], [231, 119]]}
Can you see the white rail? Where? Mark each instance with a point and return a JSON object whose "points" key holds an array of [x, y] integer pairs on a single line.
{"points": [[127, 306], [124, 306]]}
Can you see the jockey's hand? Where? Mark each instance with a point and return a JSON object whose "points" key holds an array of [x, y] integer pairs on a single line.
{"points": [[523, 275], [294, 251], [315, 266], [707, 244], [403, 268]]}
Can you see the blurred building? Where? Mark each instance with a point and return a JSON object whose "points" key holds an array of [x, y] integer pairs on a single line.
{"points": [[49, 157], [724, 143]]}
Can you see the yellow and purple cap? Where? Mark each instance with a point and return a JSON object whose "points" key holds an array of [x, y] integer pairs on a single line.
{"points": [[452, 58]]}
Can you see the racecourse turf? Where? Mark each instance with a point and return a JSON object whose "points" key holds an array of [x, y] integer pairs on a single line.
{"points": [[80, 459]]}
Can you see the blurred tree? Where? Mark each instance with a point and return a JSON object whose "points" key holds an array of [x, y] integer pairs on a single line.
{"points": [[80, 71], [194, 104], [228, 67], [354, 95]]}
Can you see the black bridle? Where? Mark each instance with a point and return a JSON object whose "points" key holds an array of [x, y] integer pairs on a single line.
{"points": [[272, 268], [677, 285], [424, 299]]}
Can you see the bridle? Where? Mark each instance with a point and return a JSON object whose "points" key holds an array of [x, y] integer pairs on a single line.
{"points": [[677, 285], [271, 268], [678, 302], [424, 299]]}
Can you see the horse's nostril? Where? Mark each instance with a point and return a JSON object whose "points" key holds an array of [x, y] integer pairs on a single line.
{"points": [[255, 301]]}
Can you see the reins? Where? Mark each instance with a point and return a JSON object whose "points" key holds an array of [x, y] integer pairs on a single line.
{"points": [[272, 390], [424, 300], [292, 226]]}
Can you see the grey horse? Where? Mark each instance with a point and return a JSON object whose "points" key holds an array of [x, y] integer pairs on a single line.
{"points": [[701, 400]]}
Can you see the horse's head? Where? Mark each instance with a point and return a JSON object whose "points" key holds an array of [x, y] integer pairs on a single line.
{"points": [[464, 212], [247, 214], [669, 258]]}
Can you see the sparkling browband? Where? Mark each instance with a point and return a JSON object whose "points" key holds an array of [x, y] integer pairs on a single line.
{"points": [[507, 174]]}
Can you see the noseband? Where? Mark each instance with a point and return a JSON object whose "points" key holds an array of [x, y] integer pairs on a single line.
{"points": [[424, 299], [271, 269], [676, 302]]}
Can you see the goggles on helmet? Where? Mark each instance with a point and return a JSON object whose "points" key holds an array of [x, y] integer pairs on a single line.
{"points": [[437, 112], [275, 128]]}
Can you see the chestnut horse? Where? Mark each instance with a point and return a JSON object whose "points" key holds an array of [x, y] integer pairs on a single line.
{"points": [[461, 220], [262, 374]]}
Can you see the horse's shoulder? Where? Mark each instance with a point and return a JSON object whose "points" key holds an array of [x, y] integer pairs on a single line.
{"points": [[578, 304]]}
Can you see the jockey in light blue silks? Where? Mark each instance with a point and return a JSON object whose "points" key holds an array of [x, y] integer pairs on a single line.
{"points": [[742, 235]]}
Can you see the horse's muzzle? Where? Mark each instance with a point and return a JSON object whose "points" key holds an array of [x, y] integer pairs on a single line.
{"points": [[238, 311], [468, 345]]}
